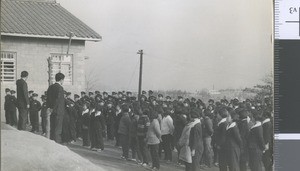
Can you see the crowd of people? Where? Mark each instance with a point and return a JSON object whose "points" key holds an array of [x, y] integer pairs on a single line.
{"points": [[229, 134]]}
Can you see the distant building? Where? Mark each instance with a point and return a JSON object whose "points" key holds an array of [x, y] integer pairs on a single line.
{"points": [[35, 38], [214, 92]]}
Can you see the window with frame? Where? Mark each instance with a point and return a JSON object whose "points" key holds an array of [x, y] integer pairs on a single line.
{"points": [[61, 63], [8, 66]]}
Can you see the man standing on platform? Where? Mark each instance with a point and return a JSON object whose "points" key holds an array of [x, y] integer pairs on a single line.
{"points": [[22, 100], [56, 106]]}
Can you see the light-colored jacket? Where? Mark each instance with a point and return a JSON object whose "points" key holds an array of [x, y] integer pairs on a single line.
{"points": [[167, 126], [185, 153], [153, 133]]}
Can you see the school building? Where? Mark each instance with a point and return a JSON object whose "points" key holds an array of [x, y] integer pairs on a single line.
{"points": [[35, 36]]}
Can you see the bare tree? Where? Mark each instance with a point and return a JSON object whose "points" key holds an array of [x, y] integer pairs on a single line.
{"points": [[91, 81]]}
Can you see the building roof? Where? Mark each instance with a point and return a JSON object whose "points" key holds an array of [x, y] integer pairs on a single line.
{"points": [[42, 19]]}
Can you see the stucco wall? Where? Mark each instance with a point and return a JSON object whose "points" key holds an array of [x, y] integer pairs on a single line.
{"points": [[32, 54]]}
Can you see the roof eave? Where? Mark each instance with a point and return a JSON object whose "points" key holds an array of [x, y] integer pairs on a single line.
{"points": [[51, 37]]}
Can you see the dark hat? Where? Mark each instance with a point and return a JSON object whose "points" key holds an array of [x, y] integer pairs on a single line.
{"points": [[109, 102], [235, 101], [144, 92], [113, 93], [34, 95], [194, 114], [82, 93], [125, 108], [211, 100], [128, 92], [76, 96], [12, 91], [186, 100], [7, 90], [193, 99], [168, 97], [68, 93], [150, 92], [97, 92], [91, 93], [43, 97], [31, 91], [98, 96], [160, 95]]}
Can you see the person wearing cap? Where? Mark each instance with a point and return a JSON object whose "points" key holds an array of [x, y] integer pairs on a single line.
{"points": [[207, 138], [153, 139], [267, 126], [13, 108], [35, 107], [82, 94], [45, 118], [167, 130], [86, 118], [22, 100], [97, 92], [91, 97], [256, 144], [124, 130], [97, 126], [78, 106], [105, 96], [244, 125], [220, 139], [233, 142], [72, 112], [110, 120], [30, 94], [142, 128], [56, 106], [6, 105]]}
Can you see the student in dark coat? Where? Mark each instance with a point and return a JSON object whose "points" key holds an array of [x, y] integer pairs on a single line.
{"points": [[85, 124], [233, 142], [268, 140], [72, 113], [22, 100], [110, 120], [96, 128], [244, 127], [117, 123], [207, 138], [13, 109], [220, 135], [44, 115], [196, 142], [56, 105], [35, 107], [79, 109], [124, 130], [6, 105], [256, 143], [142, 128]]}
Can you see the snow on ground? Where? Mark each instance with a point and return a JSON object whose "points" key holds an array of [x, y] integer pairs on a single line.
{"points": [[25, 151]]}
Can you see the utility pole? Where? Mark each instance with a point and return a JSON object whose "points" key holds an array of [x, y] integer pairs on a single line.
{"points": [[140, 52]]}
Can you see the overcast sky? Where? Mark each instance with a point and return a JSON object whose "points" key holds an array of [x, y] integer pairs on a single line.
{"points": [[188, 44]]}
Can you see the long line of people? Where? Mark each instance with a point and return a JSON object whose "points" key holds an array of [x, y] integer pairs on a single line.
{"points": [[229, 134]]}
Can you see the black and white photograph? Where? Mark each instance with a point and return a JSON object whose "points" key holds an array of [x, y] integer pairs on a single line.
{"points": [[137, 85]]}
